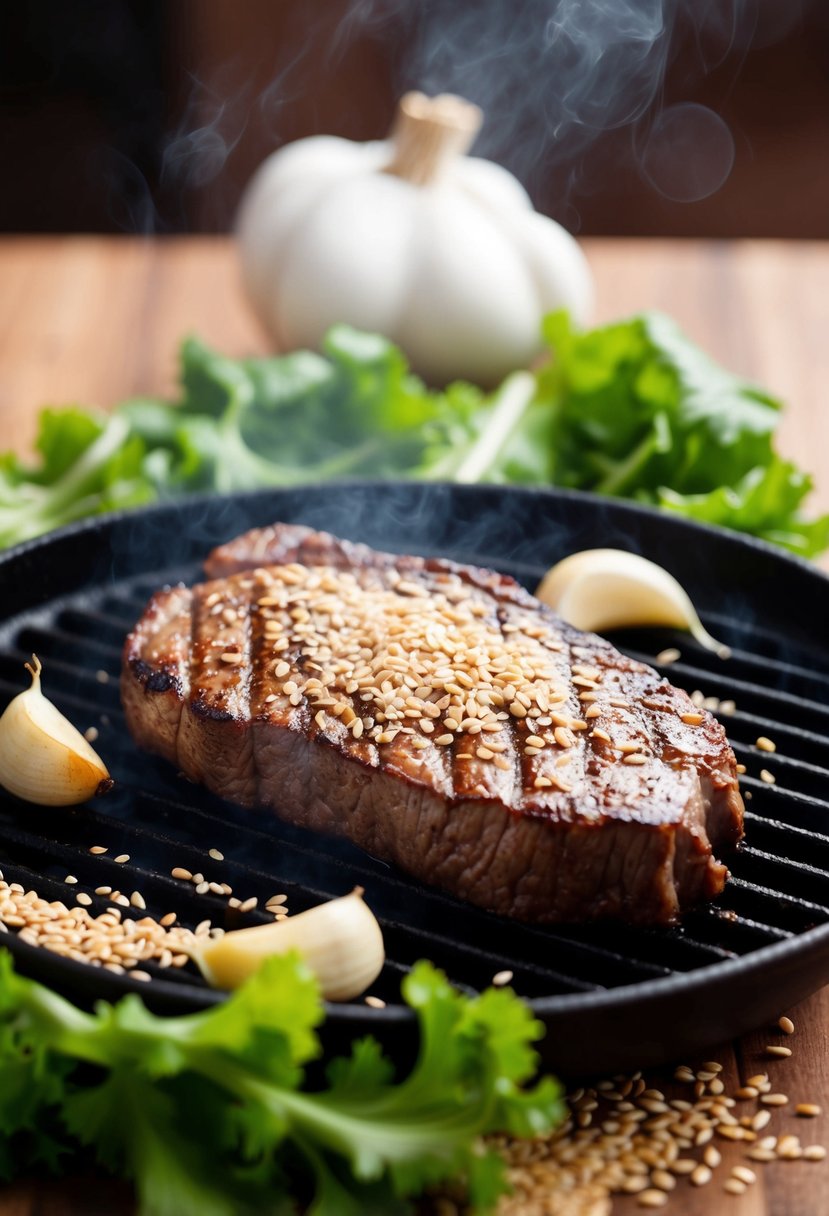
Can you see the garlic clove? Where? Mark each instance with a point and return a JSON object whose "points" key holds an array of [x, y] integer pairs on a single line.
{"points": [[599, 589], [340, 941], [43, 757]]}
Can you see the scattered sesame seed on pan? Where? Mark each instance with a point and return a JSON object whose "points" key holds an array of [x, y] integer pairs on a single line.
{"points": [[216, 854], [98, 849], [100, 940]]}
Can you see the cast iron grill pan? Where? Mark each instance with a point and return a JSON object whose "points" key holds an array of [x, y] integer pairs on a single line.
{"points": [[611, 996]]}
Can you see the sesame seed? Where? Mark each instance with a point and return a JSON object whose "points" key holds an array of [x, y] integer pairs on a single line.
{"points": [[733, 1186], [691, 719], [807, 1110], [375, 1002], [137, 974], [765, 745], [744, 1174], [701, 1176], [98, 849], [168, 919], [774, 1050], [760, 1154], [768, 777], [102, 676], [761, 1120], [662, 1179], [216, 854], [231, 657], [249, 904], [202, 888], [121, 858], [103, 890], [814, 1152], [501, 978], [774, 1099], [84, 899], [652, 1199], [137, 900], [786, 1025], [666, 657], [70, 879], [180, 872]]}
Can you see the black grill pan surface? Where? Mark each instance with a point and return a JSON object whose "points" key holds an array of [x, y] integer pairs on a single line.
{"points": [[611, 996]]}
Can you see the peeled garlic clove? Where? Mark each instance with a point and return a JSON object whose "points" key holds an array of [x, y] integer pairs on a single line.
{"points": [[340, 941], [600, 589], [43, 758]]}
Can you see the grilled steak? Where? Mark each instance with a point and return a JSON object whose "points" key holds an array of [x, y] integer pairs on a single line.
{"points": [[441, 718]]}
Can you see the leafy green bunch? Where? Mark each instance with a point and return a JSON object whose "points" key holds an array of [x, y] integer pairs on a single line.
{"points": [[631, 410], [206, 1113]]}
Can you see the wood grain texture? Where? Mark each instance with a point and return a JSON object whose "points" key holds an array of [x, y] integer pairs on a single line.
{"points": [[97, 319]]}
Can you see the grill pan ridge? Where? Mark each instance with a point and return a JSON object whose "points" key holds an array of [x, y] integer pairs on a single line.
{"points": [[611, 996]]}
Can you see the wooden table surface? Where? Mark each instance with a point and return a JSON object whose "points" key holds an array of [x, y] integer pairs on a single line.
{"points": [[93, 320]]}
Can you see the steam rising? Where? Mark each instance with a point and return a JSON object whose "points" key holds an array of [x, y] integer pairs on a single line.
{"points": [[552, 76]]}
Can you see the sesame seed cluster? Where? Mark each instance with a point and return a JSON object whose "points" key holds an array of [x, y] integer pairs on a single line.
{"points": [[435, 659], [109, 940], [622, 1137]]}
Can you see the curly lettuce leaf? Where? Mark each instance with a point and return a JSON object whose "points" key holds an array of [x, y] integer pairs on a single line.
{"points": [[207, 1113], [631, 410], [638, 411]]}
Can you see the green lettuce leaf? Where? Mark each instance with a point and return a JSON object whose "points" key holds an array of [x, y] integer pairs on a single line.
{"points": [[631, 410], [208, 1115]]}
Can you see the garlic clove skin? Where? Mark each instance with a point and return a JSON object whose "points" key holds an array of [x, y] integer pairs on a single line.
{"points": [[43, 757], [600, 589], [340, 941]]}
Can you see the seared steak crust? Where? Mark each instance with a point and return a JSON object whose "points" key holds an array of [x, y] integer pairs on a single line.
{"points": [[441, 718]]}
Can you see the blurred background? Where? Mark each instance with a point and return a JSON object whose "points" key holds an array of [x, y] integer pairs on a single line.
{"points": [[621, 117]]}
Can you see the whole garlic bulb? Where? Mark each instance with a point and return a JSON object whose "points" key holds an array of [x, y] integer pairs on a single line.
{"points": [[408, 237]]}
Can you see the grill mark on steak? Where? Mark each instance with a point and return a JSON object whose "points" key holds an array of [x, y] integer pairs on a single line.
{"points": [[604, 837]]}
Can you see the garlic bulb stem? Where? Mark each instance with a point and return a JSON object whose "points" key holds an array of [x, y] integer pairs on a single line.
{"points": [[429, 132], [43, 758], [599, 589], [340, 941]]}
